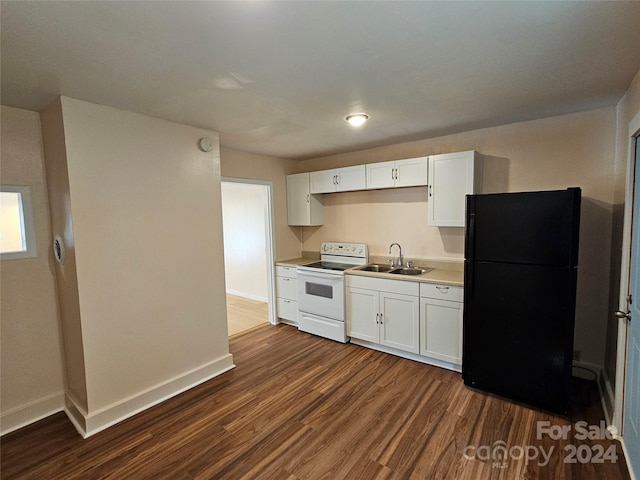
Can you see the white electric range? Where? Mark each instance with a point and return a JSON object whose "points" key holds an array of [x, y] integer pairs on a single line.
{"points": [[321, 308]]}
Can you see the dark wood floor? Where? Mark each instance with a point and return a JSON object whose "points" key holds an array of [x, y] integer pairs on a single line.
{"points": [[302, 407]]}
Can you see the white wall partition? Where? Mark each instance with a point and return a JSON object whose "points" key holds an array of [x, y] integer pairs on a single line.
{"points": [[142, 292]]}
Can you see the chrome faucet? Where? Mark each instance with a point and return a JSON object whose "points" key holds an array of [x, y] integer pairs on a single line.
{"points": [[399, 264]]}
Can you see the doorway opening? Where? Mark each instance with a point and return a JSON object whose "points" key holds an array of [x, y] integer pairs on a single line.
{"points": [[247, 222]]}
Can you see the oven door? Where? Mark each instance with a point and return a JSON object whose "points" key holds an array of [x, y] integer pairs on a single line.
{"points": [[321, 294]]}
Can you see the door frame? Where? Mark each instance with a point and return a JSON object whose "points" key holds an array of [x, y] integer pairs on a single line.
{"points": [[625, 272], [269, 241]]}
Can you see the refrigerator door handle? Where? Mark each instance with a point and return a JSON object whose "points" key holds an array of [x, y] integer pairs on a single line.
{"points": [[470, 238], [469, 281]]}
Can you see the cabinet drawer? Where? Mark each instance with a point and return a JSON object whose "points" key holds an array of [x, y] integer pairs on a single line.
{"points": [[442, 292], [287, 288], [287, 309], [286, 271]]}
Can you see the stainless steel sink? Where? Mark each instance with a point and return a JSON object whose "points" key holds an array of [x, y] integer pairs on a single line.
{"points": [[375, 267], [409, 271]]}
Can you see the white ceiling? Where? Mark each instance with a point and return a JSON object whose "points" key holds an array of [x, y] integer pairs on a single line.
{"points": [[278, 78]]}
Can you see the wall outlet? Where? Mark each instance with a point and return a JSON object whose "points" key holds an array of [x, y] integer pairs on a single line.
{"points": [[577, 355]]}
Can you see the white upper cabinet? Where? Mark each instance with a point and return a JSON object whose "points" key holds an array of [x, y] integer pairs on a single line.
{"points": [[338, 180], [451, 177], [409, 172], [381, 175], [303, 208]]}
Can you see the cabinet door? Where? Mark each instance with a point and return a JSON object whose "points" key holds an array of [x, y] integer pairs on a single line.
{"points": [[411, 172], [298, 212], [302, 208], [352, 178], [441, 330], [400, 321], [362, 314], [450, 179], [380, 175], [324, 181]]}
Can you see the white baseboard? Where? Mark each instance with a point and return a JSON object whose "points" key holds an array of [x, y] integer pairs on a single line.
{"points": [[608, 397], [411, 356], [579, 372], [247, 295], [24, 415], [89, 424]]}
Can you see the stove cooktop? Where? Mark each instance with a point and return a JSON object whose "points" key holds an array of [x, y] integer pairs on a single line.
{"points": [[330, 266]]}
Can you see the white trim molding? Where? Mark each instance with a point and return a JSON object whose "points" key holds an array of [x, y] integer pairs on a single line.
{"points": [[89, 424], [270, 241], [24, 415], [607, 397], [246, 295]]}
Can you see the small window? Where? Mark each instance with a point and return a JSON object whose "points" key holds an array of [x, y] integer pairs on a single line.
{"points": [[17, 236]]}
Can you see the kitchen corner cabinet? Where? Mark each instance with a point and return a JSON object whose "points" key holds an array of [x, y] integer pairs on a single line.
{"points": [[303, 208], [441, 322], [287, 293], [338, 180], [409, 172], [451, 177], [383, 311]]}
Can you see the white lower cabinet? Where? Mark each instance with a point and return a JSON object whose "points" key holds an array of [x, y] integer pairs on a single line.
{"points": [[287, 293], [441, 322], [417, 320], [386, 312]]}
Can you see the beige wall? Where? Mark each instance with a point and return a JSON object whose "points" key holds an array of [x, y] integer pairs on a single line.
{"points": [[31, 358], [238, 164], [552, 153], [146, 211]]}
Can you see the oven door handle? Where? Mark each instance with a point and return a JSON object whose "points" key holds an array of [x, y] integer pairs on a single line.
{"points": [[306, 273]]}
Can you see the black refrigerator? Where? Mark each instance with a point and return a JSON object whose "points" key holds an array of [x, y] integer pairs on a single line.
{"points": [[520, 271]]}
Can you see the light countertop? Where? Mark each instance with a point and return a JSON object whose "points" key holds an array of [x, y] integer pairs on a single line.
{"points": [[294, 262], [446, 276], [437, 275]]}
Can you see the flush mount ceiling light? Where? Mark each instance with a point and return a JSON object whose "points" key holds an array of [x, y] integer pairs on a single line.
{"points": [[357, 119]]}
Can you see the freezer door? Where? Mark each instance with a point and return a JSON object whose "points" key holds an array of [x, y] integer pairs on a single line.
{"points": [[518, 332], [530, 227]]}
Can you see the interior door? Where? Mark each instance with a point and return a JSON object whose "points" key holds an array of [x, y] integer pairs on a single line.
{"points": [[631, 426]]}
